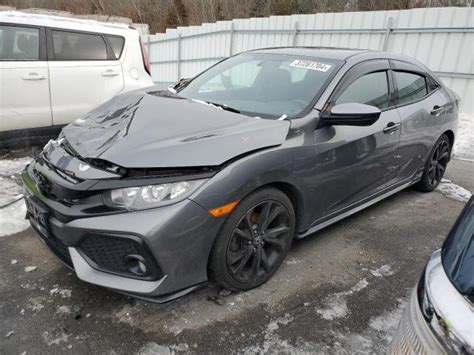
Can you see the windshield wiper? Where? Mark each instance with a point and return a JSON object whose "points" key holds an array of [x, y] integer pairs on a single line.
{"points": [[222, 106]]}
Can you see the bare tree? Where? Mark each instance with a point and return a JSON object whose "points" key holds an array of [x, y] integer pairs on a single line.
{"points": [[162, 14]]}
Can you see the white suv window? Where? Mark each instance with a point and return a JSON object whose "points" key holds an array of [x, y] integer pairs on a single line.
{"points": [[19, 43], [78, 46]]}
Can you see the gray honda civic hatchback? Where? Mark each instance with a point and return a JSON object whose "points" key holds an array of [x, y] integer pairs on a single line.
{"points": [[159, 190]]}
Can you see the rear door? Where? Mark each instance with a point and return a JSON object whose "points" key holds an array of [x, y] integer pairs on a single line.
{"points": [[355, 162], [84, 73], [24, 90], [422, 108]]}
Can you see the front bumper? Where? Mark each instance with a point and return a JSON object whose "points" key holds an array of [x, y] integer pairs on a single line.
{"points": [[438, 320], [178, 239], [414, 336]]}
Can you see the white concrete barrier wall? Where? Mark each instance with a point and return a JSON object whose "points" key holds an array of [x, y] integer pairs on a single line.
{"points": [[442, 38]]}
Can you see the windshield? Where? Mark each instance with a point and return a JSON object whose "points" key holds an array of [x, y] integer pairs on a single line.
{"points": [[263, 84], [458, 252]]}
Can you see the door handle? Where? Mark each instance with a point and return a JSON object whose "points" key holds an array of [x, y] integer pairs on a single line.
{"points": [[436, 111], [110, 72], [391, 127], [33, 76]]}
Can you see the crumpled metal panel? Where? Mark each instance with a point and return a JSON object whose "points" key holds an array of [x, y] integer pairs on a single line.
{"points": [[153, 129]]}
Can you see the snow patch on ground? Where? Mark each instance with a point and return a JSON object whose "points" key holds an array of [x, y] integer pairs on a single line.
{"points": [[35, 304], [464, 144], [376, 338], [63, 292], [64, 310], [335, 306], [10, 167], [453, 191], [10, 190], [153, 348], [12, 217], [125, 315], [273, 344], [387, 323], [51, 339], [383, 271]]}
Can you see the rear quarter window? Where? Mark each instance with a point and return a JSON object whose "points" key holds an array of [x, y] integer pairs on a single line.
{"points": [[411, 87], [78, 46], [116, 43]]}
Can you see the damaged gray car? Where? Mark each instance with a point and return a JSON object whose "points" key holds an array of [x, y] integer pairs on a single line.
{"points": [[159, 190]]}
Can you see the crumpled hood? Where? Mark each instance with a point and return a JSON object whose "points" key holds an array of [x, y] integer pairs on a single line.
{"points": [[156, 129]]}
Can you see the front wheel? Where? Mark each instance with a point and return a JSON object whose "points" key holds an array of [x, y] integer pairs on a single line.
{"points": [[436, 165], [253, 241]]}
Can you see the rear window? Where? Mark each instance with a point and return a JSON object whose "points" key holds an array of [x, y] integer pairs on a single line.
{"points": [[19, 43], [78, 46], [116, 42], [411, 87]]}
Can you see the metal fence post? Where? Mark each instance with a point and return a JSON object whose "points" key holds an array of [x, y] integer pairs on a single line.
{"points": [[387, 33], [178, 60], [231, 40], [295, 33]]}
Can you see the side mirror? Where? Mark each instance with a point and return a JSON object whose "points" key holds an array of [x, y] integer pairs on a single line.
{"points": [[353, 114]]}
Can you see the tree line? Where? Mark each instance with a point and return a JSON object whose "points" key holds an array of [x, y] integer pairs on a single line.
{"points": [[163, 14]]}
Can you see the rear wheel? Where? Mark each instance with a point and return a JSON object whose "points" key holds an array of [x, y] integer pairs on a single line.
{"points": [[253, 241], [435, 165]]}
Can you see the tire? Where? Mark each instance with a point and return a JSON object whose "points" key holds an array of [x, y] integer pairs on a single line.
{"points": [[435, 165], [249, 248]]}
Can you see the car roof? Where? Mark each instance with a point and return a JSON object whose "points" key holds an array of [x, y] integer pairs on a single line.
{"points": [[321, 52], [349, 55], [17, 17]]}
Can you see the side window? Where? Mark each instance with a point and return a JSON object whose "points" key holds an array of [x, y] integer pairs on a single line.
{"points": [[370, 89], [116, 42], [19, 43], [78, 46], [432, 84], [411, 87]]}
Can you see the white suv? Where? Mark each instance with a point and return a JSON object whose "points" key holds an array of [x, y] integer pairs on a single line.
{"points": [[54, 69]]}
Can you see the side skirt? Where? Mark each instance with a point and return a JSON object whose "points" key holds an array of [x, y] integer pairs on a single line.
{"points": [[358, 207]]}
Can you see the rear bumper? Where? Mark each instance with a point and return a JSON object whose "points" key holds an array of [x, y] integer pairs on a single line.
{"points": [[178, 239]]}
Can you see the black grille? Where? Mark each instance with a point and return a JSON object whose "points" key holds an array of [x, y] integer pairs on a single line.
{"points": [[107, 253], [57, 247]]}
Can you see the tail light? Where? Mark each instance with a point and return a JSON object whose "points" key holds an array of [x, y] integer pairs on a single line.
{"points": [[146, 62]]}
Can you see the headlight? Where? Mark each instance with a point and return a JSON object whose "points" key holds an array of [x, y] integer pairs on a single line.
{"points": [[137, 198]]}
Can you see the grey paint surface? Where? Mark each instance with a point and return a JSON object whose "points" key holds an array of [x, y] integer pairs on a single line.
{"points": [[139, 129], [327, 169]]}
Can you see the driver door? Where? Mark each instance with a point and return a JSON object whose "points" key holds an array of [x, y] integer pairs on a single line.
{"points": [[353, 163]]}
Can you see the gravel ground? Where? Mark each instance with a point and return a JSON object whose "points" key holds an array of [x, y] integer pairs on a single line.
{"points": [[341, 290]]}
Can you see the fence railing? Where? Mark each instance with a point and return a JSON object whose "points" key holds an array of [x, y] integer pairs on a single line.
{"points": [[442, 38]]}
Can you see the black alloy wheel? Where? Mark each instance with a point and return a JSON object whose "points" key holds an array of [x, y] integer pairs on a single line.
{"points": [[258, 241], [439, 162], [253, 241], [436, 165]]}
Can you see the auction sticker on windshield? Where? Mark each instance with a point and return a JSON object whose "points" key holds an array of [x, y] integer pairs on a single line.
{"points": [[308, 64]]}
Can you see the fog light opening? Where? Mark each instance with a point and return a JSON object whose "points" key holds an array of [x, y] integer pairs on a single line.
{"points": [[136, 264]]}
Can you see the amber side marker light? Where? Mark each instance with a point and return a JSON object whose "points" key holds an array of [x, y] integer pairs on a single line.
{"points": [[224, 209]]}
